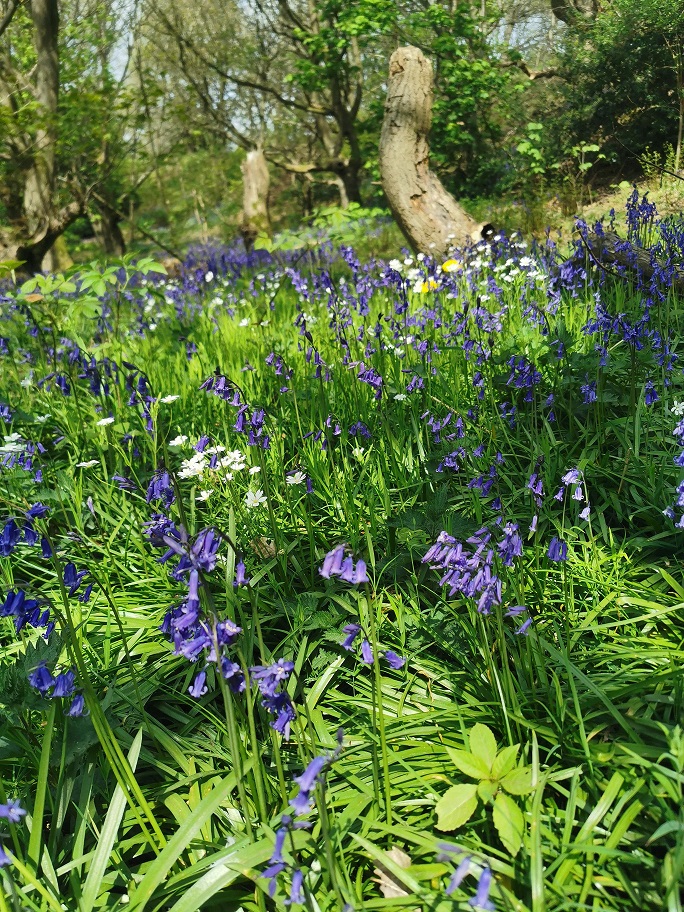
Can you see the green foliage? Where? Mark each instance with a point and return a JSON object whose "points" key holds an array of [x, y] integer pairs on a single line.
{"points": [[498, 778]]}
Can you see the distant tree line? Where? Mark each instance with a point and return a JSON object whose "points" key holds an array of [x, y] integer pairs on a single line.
{"points": [[97, 97]]}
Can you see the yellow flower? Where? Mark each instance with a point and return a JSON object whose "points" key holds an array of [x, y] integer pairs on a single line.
{"points": [[451, 266]]}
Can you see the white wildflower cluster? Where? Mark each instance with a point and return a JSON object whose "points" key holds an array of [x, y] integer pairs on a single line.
{"points": [[226, 466], [677, 409], [13, 444]]}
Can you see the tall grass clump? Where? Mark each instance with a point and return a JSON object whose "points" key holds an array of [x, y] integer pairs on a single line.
{"points": [[344, 585]]}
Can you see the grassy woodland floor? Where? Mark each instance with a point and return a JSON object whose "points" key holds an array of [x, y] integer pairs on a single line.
{"points": [[330, 584]]}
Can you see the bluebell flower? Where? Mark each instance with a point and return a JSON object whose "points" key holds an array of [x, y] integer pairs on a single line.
{"points": [[73, 577], [5, 859], [11, 535], [12, 812], [270, 677], [650, 394], [307, 781], [241, 579], [588, 391], [64, 684], [395, 661], [352, 631], [558, 550], [36, 511], [296, 894], [271, 874], [77, 707], [281, 707], [481, 899], [366, 653], [458, 875], [198, 687], [524, 628], [232, 673], [41, 679]]}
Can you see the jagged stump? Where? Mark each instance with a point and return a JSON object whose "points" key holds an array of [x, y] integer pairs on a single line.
{"points": [[429, 216]]}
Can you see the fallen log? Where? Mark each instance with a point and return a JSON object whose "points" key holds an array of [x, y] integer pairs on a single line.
{"points": [[609, 250]]}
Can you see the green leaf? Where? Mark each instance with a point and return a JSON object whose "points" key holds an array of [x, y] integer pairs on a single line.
{"points": [[107, 837], [509, 822], [483, 744], [505, 761], [456, 806], [183, 836], [468, 763], [486, 790], [518, 781]]}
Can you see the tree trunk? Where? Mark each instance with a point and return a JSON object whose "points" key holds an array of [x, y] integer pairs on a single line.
{"points": [[32, 252], [106, 225], [255, 183], [40, 179], [350, 184], [431, 219], [570, 11]]}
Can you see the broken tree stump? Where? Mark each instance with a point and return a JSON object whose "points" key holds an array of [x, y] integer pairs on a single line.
{"points": [[255, 185], [430, 218]]}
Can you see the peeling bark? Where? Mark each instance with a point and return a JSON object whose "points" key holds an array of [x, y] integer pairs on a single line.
{"points": [[255, 184], [429, 216]]}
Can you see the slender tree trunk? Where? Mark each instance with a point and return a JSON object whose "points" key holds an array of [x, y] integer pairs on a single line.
{"points": [[350, 179], [255, 186], [40, 179], [431, 219], [106, 225], [679, 66]]}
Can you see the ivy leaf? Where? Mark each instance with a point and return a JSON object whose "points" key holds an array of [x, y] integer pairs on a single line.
{"points": [[456, 807], [509, 822], [483, 744], [519, 781], [505, 761], [468, 763]]}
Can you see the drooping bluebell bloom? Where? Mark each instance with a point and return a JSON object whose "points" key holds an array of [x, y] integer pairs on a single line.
{"points": [[198, 687], [280, 705], [73, 577], [232, 673], [64, 684], [77, 707], [10, 537], [394, 661], [41, 679], [241, 579], [352, 631], [558, 550], [296, 894], [160, 488], [458, 875], [588, 390], [481, 899], [307, 781]]}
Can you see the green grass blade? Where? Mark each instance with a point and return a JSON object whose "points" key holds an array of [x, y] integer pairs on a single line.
{"points": [[108, 834]]}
